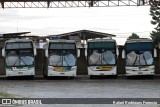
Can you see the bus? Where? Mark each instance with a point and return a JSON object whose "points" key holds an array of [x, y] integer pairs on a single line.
{"points": [[102, 57], [61, 58], [139, 57], [19, 57]]}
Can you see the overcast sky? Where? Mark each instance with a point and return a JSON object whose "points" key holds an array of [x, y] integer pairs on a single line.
{"points": [[121, 21]]}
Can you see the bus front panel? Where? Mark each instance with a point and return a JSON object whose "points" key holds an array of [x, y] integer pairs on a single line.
{"points": [[139, 59], [62, 60], [102, 58], [19, 59]]}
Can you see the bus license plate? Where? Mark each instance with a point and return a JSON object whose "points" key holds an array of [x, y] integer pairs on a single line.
{"points": [[20, 72], [140, 72], [101, 74]]}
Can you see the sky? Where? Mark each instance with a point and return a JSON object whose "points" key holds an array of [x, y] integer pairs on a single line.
{"points": [[121, 21]]}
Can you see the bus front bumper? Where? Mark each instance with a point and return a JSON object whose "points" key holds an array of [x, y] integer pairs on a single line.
{"points": [[67, 73], [136, 73], [92, 71], [10, 73]]}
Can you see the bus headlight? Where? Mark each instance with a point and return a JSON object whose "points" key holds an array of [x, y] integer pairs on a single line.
{"points": [[31, 68], [73, 69], [50, 68]]}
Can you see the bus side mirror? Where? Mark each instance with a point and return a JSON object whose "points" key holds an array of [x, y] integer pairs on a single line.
{"points": [[46, 52], [155, 53], [35, 52], [123, 54], [117, 51], [86, 53], [3, 52], [78, 53]]}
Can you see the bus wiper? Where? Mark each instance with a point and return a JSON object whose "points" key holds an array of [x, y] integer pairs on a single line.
{"points": [[145, 59], [135, 60], [16, 61], [59, 60], [97, 60], [105, 60], [23, 61], [66, 61]]}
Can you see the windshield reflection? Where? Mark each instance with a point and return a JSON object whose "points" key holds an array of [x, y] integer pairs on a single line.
{"points": [[141, 58], [19, 57], [62, 57], [101, 57]]}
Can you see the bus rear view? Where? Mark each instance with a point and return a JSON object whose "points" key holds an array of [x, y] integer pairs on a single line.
{"points": [[139, 57], [19, 57], [102, 57]]}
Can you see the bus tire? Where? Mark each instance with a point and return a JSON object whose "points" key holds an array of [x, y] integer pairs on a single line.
{"points": [[72, 77], [115, 76], [31, 77], [92, 77], [45, 76], [128, 77], [8, 78]]}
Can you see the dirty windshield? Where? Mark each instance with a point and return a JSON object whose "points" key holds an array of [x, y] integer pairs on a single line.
{"points": [[62, 54], [139, 54], [19, 54], [101, 53]]}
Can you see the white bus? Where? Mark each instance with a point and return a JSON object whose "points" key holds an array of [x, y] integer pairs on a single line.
{"points": [[102, 57], [19, 57], [139, 57], [61, 57]]}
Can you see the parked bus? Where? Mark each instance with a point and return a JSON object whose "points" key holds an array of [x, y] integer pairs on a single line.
{"points": [[61, 57], [19, 57], [102, 57], [139, 57]]}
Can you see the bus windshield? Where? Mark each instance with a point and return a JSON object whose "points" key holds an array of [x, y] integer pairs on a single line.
{"points": [[101, 53], [139, 54], [62, 55], [19, 57]]}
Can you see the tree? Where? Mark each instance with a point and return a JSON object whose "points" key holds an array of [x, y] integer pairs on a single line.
{"points": [[133, 36], [155, 13]]}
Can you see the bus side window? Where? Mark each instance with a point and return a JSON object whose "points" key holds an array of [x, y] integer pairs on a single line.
{"points": [[123, 54]]}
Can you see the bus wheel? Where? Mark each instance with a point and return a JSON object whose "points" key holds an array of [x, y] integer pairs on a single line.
{"points": [[8, 78], [72, 77], [129, 77], [92, 77], [45, 76], [31, 77], [115, 76]]}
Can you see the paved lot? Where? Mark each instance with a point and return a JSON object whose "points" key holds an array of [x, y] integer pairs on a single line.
{"points": [[83, 87]]}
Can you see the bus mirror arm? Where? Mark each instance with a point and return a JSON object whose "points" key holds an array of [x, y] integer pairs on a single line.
{"points": [[155, 53], [35, 52], [86, 53], [46, 52], [78, 53], [3, 52], [117, 51], [123, 54]]}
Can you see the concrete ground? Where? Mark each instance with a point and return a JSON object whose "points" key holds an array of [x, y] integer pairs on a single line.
{"points": [[83, 87]]}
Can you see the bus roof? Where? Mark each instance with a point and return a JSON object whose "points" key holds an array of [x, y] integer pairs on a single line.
{"points": [[101, 40], [19, 40], [138, 40], [62, 41]]}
